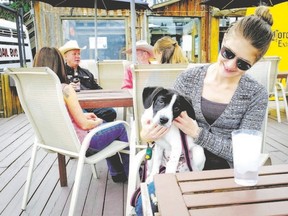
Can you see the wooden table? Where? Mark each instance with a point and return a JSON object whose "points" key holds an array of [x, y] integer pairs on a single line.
{"points": [[105, 98], [216, 193]]}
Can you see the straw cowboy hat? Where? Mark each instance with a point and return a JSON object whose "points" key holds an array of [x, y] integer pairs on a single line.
{"points": [[70, 45], [142, 45]]}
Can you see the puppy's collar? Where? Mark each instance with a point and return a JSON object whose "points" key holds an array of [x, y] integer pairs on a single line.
{"points": [[149, 148]]}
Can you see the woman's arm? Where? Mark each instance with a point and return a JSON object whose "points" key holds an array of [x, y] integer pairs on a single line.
{"points": [[85, 121], [217, 138], [246, 110]]}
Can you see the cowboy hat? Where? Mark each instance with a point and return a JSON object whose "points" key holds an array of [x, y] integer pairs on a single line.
{"points": [[70, 45], [141, 45]]}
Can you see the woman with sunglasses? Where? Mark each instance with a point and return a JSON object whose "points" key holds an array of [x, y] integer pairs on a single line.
{"points": [[223, 97]]}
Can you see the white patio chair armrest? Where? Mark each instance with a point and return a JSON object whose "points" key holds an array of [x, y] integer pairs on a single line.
{"points": [[146, 205], [88, 137], [265, 159], [134, 179]]}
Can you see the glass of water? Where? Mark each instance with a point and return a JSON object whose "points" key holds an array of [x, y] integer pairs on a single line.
{"points": [[246, 155]]}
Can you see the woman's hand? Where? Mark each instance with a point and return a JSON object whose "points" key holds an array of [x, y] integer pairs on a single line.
{"points": [[90, 116], [152, 132], [94, 118], [75, 86], [187, 125]]}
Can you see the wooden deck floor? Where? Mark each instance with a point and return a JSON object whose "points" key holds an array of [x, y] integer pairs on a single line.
{"points": [[97, 197]]}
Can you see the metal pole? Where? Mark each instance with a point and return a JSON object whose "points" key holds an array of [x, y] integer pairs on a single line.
{"points": [[19, 27], [133, 30], [20, 15], [95, 30]]}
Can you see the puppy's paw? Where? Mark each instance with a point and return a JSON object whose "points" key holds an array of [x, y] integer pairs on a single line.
{"points": [[199, 158], [171, 167]]}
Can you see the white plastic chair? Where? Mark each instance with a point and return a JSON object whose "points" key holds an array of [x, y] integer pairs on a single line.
{"points": [[274, 87], [282, 89], [40, 94], [264, 71], [278, 89]]}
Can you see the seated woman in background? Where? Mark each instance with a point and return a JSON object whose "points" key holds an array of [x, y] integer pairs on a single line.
{"points": [[167, 51], [83, 122]]}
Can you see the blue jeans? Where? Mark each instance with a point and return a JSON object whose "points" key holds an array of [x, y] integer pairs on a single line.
{"points": [[103, 138]]}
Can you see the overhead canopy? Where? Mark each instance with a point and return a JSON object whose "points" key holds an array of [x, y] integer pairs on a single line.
{"points": [[101, 4], [229, 4]]}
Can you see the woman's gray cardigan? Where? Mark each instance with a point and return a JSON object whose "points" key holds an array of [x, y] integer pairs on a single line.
{"points": [[246, 109]]}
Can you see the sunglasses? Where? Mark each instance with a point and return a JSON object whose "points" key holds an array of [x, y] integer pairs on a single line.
{"points": [[228, 54]]}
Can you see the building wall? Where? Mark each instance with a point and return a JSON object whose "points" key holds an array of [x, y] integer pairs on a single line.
{"points": [[279, 43], [191, 8], [49, 27]]}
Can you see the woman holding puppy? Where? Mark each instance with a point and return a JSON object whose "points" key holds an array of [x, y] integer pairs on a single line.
{"points": [[223, 97]]}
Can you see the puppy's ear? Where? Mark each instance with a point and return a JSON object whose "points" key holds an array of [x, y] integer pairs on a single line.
{"points": [[149, 94], [187, 106]]}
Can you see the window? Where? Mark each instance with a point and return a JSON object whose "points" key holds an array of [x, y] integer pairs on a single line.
{"points": [[111, 37], [186, 30]]}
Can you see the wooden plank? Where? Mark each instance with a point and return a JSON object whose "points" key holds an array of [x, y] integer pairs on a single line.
{"points": [[105, 98], [13, 151], [205, 200], [205, 175], [12, 124], [17, 182], [97, 191], [114, 197], [11, 104], [14, 117], [171, 202], [8, 173], [59, 198], [274, 208], [228, 184], [224, 173], [45, 185]]}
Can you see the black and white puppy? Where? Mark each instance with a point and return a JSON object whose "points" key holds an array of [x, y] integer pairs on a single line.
{"points": [[162, 106]]}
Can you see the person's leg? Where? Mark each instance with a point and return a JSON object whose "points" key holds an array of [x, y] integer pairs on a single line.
{"points": [[125, 162], [102, 139], [116, 169], [107, 114]]}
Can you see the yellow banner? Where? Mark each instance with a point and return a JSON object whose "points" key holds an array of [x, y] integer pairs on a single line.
{"points": [[279, 44]]}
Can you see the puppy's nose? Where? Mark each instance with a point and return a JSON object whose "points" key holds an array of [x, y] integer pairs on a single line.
{"points": [[163, 120]]}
